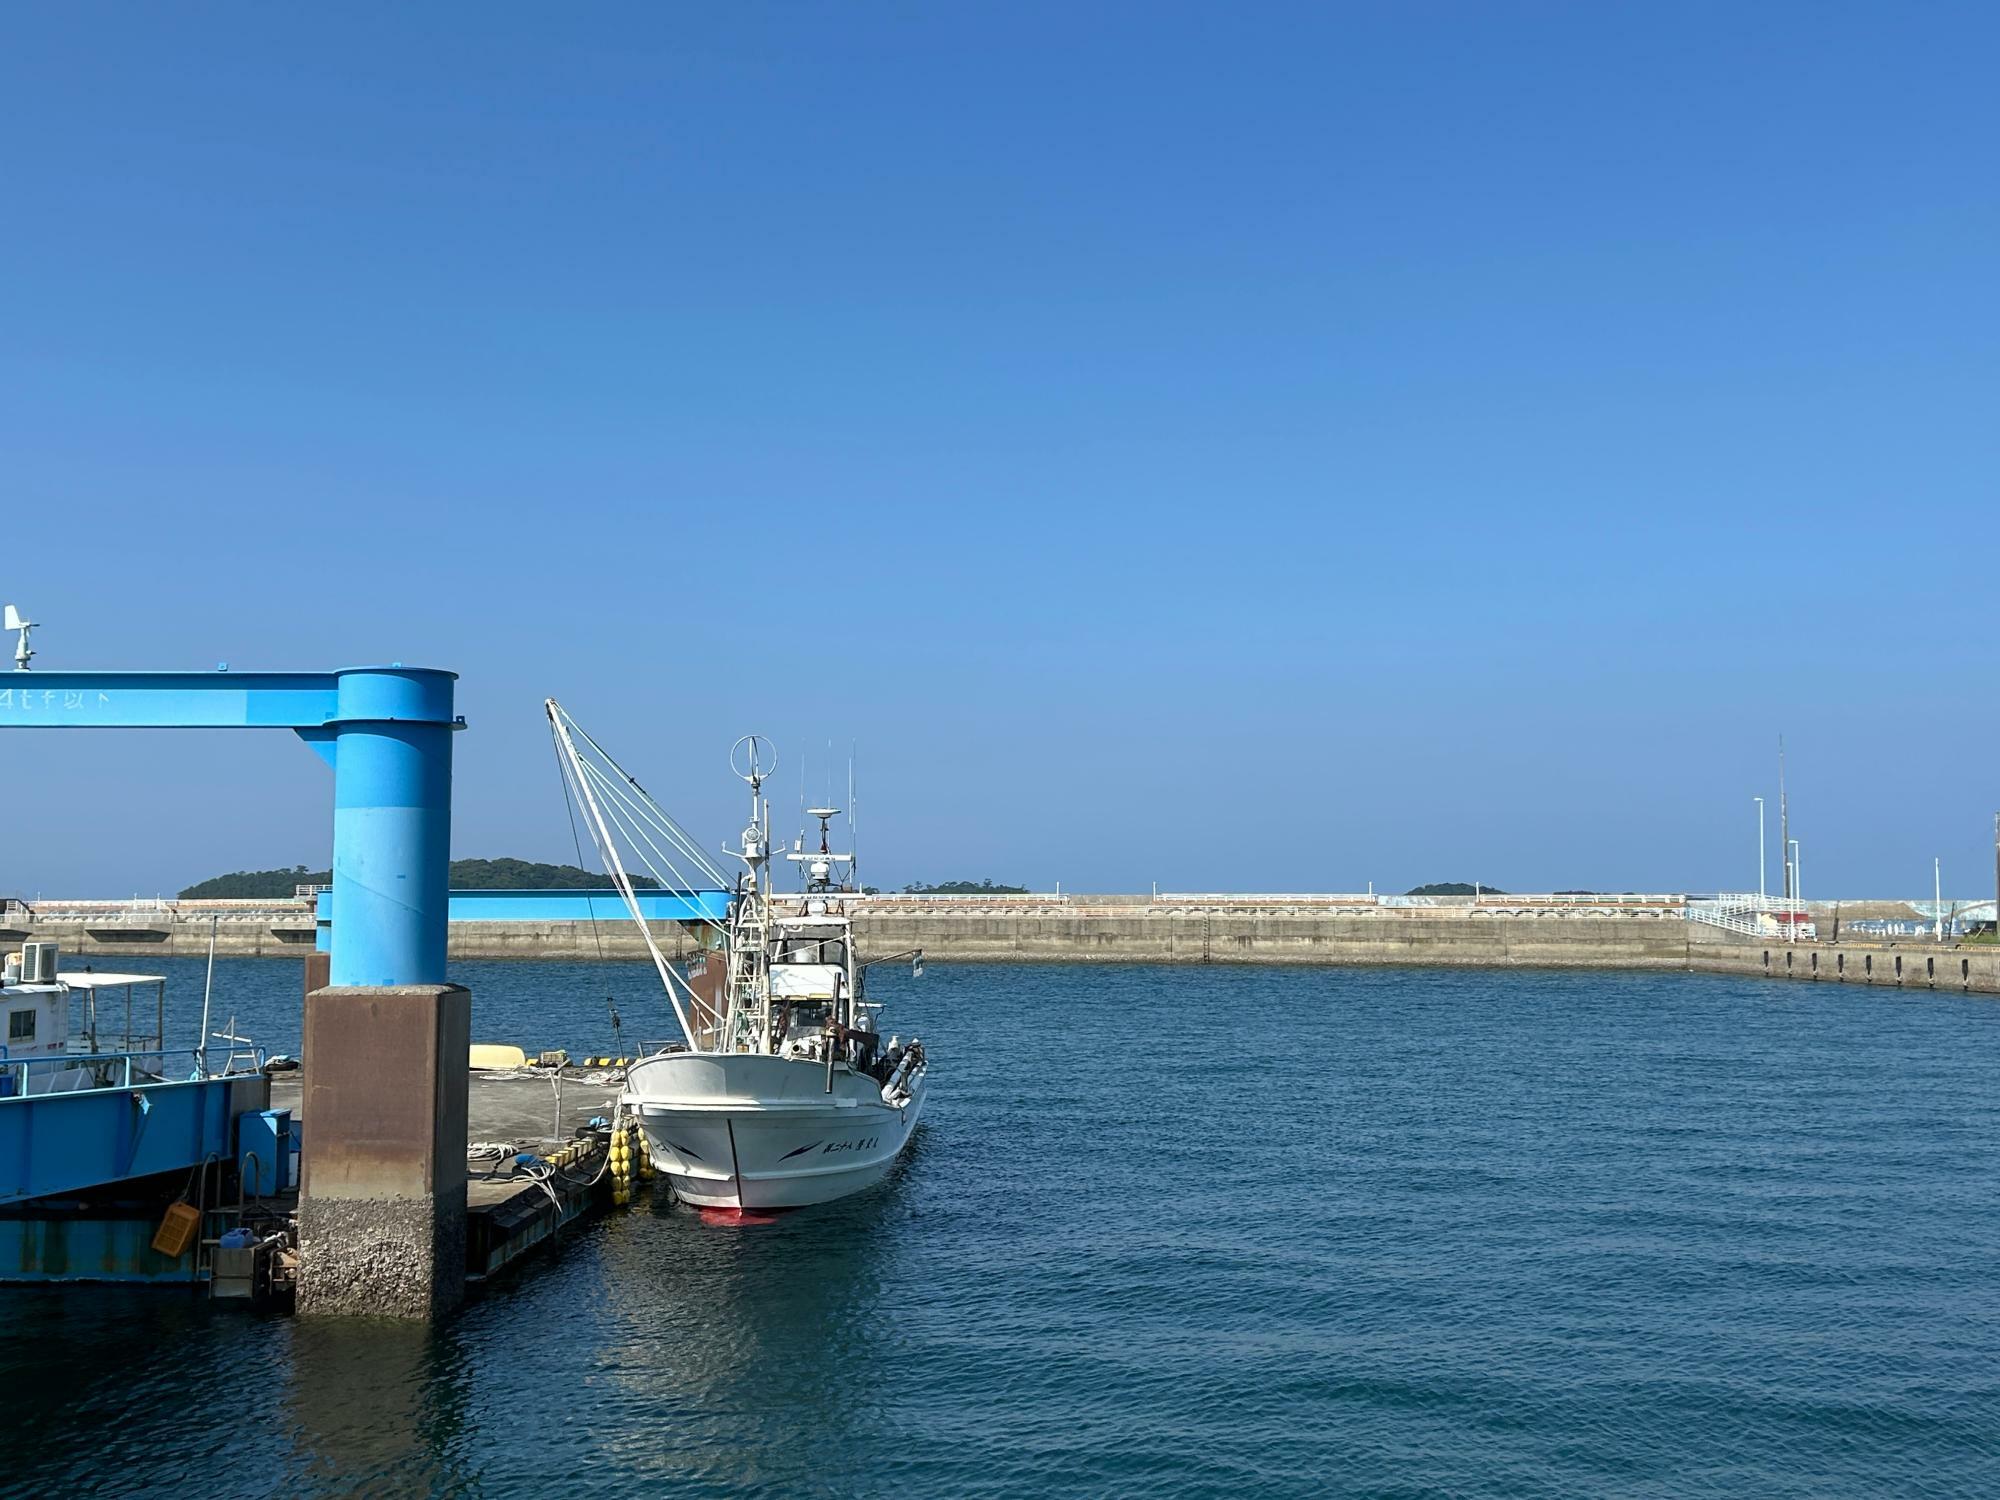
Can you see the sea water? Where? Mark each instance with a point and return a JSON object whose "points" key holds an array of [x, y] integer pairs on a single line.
{"points": [[1196, 1231]]}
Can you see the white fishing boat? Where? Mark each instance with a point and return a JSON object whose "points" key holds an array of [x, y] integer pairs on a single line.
{"points": [[784, 1091]]}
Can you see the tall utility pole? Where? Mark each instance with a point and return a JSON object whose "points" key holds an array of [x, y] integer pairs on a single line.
{"points": [[1937, 898], [1784, 818]]}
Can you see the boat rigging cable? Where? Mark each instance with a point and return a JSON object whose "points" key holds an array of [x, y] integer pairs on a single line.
{"points": [[596, 932], [576, 839], [612, 796]]}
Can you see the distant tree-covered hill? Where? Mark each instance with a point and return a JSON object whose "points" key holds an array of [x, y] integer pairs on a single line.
{"points": [[256, 885], [525, 875], [466, 875], [964, 888], [1456, 888]]}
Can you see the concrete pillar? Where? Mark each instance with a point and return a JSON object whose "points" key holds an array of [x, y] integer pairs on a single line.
{"points": [[382, 1203]]}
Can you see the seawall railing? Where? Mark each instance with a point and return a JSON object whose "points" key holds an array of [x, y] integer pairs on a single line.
{"points": [[1747, 913]]}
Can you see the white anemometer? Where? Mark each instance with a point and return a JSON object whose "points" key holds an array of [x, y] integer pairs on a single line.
{"points": [[23, 652]]}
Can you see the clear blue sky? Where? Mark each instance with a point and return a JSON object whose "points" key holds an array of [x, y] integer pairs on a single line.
{"points": [[1243, 447]]}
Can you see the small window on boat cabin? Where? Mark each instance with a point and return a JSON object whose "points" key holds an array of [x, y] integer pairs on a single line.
{"points": [[20, 1025]]}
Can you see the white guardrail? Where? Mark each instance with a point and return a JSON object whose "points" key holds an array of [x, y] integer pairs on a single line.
{"points": [[1746, 913]]}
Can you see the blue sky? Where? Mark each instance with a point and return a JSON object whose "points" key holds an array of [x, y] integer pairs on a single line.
{"points": [[1257, 447]]}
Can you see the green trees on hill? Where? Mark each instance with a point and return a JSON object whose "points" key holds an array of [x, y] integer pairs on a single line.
{"points": [[964, 888], [466, 875], [254, 885], [526, 875], [1456, 888]]}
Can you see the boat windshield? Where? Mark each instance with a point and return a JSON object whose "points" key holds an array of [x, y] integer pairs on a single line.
{"points": [[797, 1023], [810, 950]]}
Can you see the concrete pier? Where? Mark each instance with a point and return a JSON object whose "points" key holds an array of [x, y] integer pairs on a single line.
{"points": [[509, 1216], [382, 1203]]}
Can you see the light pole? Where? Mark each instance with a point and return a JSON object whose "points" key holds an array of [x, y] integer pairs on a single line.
{"points": [[1798, 885], [1937, 899], [1760, 846], [1784, 821]]}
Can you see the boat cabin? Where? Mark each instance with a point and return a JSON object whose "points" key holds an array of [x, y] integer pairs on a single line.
{"points": [[816, 983], [72, 1015], [37, 1021], [810, 958]]}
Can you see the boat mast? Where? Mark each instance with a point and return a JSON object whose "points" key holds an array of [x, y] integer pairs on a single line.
{"points": [[749, 927]]}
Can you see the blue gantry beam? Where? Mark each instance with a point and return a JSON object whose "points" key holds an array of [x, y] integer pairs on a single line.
{"points": [[606, 905], [169, 700], [387, 733]]}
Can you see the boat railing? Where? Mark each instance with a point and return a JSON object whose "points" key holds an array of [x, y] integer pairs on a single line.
{"points": [[108, 1070]]}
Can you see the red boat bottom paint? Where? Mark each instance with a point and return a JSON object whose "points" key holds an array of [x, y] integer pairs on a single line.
{"points": [[726, 1216]]}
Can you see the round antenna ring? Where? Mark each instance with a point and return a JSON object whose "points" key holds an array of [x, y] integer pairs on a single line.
{"points": [[758, 758]]}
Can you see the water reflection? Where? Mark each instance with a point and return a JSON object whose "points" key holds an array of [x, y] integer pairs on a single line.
{"points": [[719, 1313], [375, 1408]]}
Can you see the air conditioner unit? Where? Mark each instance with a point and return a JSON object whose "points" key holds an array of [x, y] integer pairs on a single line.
{"points": [[38, 962]]}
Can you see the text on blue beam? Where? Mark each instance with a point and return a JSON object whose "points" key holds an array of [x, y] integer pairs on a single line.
{"points": [[169, 700]]}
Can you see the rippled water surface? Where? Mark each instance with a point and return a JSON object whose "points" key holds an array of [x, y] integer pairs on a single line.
{"points": [[1180, 1232]]}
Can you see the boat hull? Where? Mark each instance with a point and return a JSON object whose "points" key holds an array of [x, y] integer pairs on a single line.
{"points": [[744, 1131]]}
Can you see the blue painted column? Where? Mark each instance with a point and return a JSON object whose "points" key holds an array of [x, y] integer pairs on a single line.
{"points": [[391, 744]]}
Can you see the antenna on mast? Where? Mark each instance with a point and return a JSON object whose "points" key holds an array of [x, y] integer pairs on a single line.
{"points": [[23, 652], [752, 750], [853, 825], [819, 865]]}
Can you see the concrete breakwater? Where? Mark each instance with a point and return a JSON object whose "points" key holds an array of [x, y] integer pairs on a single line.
{"points": [[1913, 965], [1621, 932], [120, 934], [1646, 932], [1546, 931]]}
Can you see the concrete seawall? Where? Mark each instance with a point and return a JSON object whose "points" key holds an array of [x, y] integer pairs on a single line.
{"points": [[1913, 965], [1646, 933], [1512, 932], [1153, 934]]}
